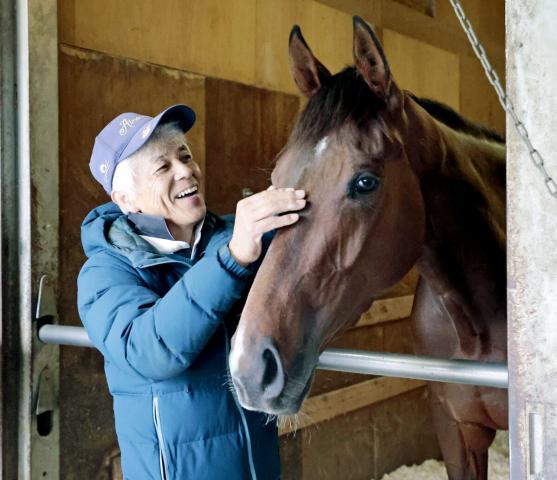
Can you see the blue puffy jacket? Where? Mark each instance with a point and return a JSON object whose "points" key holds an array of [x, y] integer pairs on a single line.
{"points": [[163, 324]]}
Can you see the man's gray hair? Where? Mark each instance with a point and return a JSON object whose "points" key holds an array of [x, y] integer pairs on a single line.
{"points": [[166, 135]]}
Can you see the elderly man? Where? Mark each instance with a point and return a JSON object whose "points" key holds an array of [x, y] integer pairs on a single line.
{"points": [[158, 294]]}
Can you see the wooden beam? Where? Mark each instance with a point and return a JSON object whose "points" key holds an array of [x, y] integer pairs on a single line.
{"points": [[387, 310], [369, 11], [344, 400], [407, 21], [411, 23], [426, 7]]}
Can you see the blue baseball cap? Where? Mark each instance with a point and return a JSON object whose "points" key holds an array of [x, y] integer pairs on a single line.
{"points": [[126, 134]]}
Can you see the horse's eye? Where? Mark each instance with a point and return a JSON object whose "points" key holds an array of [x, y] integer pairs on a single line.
{"points": [[365, 183]]}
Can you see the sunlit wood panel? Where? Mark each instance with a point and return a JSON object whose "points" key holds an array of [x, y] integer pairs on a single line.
{"points": [[425, 70]]}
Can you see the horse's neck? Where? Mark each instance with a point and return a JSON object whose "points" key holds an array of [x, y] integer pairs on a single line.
{"points": [[464, 256]]}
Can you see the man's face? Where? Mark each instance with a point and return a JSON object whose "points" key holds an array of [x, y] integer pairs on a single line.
{"points": [[169, 183]]}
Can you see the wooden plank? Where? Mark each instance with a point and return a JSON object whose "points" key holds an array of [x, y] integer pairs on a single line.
{"points": [[230, 149], [423, 69], [244, 41], [369, 11], [327, 30], [487, 19], [271, 45], [404, 432], [291, 457], [245, 128], [426, 7], [209, 37], [203, 37], [370, 441], [330, 35], [443, 30], [406, 286], [387, 310], [329, 405], [478, 100], [66, 21], [394, 336]]}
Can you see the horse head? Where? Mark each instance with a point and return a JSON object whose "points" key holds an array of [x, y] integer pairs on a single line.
{"points": [[362, 231]]}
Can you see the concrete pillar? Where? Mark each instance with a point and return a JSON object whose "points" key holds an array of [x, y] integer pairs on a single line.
{"points": [[42, 34], [532, 240], [29, 417]]}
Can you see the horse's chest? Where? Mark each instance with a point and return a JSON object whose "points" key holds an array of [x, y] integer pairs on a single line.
{"points": [[437, 333], [443, 328]]}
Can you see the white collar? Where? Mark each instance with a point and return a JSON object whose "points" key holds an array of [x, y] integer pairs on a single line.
{"points": [[164, 245]]}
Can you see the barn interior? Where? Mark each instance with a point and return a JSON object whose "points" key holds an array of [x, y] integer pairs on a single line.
{"points": [[229, 62]]}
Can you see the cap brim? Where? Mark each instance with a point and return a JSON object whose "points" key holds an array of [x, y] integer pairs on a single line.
{"points": [[181, 114]]}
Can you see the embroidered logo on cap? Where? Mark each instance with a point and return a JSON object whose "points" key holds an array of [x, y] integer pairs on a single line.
{"points": [[128, 123]]}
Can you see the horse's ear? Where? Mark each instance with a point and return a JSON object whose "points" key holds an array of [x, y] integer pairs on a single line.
{"points": [[370, 59], [308, 72]]}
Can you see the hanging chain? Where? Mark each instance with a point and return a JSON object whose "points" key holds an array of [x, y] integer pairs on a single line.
{"points": [[505, 101]]}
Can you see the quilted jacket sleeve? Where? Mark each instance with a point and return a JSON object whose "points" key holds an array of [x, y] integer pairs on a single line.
{"points": [[156, 337]]}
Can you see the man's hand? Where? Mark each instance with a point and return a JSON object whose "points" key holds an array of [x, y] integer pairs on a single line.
{"points": [[259, 214]]}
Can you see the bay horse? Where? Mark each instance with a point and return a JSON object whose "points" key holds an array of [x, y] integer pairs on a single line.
{"points": [[392, 182]]}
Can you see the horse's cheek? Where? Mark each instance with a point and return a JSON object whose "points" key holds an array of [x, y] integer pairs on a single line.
{"points": [[399, 233], [411, 221]]}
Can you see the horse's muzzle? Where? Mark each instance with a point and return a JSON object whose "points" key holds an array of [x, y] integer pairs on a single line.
{"points": [[257, 375]]}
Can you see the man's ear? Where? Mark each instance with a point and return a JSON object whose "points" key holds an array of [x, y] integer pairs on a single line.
{"points": [[124, 201]]}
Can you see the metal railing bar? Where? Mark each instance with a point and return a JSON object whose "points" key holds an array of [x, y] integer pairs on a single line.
{"points": [[418, 368], [65, 335], [354, 361]]}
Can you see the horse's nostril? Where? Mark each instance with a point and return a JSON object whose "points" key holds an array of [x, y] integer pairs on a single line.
{"points": [[270, 366], [272, 381]]}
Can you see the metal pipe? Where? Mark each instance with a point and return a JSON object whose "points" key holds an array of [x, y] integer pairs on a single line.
{"points": [[354, 361], [23, 186], [65, 335], [419, 368]]}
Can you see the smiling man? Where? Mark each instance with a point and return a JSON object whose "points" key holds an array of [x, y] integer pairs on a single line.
{"points": [[159, 297]]}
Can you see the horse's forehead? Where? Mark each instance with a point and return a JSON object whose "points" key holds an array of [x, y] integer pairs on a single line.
{"points": [[345, 146], [321, 146], [310, 165]]}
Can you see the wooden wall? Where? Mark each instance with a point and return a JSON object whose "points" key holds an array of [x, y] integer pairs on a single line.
{"points": [[228, 60]]}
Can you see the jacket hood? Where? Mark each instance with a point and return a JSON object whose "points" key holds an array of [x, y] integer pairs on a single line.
{"points": [[95, 228], [107, 227]]}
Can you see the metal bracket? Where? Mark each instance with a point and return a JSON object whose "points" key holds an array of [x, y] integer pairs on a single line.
{"points": [[46, 311], [44, 407], [535, 425], [47, 402], [46, 397]]}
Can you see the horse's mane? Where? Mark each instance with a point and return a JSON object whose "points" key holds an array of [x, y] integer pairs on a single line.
{"points": [[346, 97], [484, 170], [454, 120]]}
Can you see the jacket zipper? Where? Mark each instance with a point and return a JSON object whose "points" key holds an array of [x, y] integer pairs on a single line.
{"points": [[240, 409], [162, 453]]}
